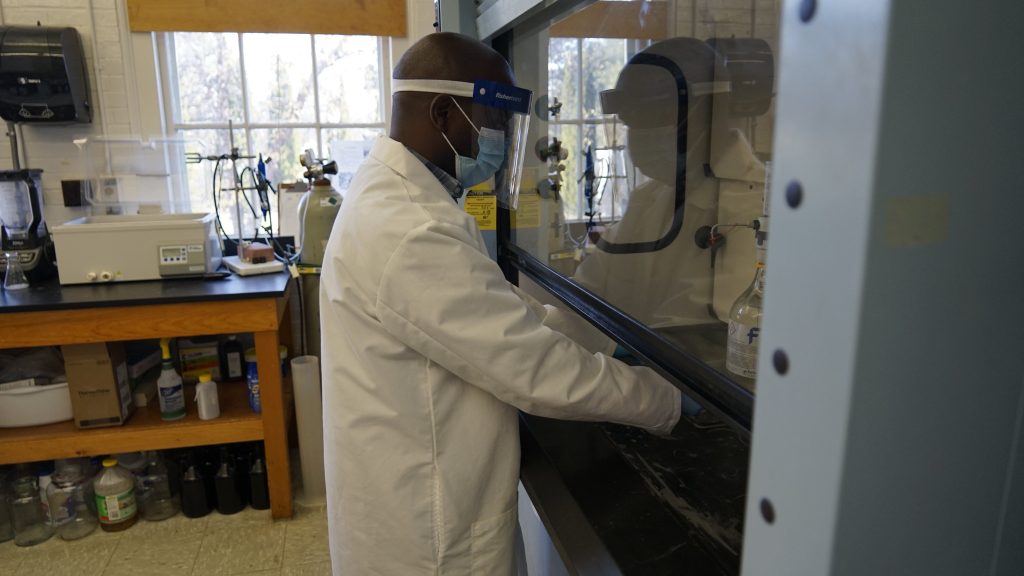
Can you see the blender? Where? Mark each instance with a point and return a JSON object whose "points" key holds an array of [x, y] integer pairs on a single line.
{"points": [[24, 232]]}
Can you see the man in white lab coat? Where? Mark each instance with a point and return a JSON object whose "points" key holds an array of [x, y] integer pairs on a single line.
{"points": [[428, 353]]}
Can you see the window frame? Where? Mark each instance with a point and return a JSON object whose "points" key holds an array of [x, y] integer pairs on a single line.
{"points": [[170, 107]]}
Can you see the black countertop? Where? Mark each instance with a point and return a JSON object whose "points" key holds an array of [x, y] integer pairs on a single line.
{"points": [[617, 500], [50, 295]]}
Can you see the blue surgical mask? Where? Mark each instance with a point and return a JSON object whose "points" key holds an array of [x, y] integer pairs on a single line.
{"points": [[489, 157]]}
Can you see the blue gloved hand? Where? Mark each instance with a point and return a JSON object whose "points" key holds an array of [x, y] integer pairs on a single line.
{"points": [[691, 407], [621, 353]]}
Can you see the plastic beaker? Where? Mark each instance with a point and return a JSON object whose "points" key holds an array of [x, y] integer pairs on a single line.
{"points": [[14, 278]]}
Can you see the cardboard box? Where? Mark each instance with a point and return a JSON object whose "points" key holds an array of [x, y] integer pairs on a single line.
{"points": [[197, 358], [99, 385]]}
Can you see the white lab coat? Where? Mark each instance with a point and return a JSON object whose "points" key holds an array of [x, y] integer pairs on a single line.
{"points": [[670, 287], [427, 354]]}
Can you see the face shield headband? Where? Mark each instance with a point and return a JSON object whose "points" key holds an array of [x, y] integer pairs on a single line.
{"points": [[496, 107]]}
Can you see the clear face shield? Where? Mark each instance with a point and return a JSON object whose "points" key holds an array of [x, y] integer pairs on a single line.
{"points": [[500, 116]]}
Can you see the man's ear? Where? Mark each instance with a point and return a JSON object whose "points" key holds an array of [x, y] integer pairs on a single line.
{"points": [[440, 111]]}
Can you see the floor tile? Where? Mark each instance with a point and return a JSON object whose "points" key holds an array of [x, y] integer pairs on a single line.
{"points": [[154, 555], [10, 557], [305, 539], [314, 569], [173, 527], [247, 517], [88, 556], [244, 548]]}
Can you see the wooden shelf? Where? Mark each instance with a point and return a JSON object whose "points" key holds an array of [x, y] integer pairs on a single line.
{"points": [[143, 431]]}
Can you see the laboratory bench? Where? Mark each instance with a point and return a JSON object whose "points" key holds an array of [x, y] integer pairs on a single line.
{"points": [[49, 314], [616, 500]]}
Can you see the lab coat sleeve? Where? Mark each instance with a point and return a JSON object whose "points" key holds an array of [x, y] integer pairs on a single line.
{"points": [[567, 323], [443, 298]]}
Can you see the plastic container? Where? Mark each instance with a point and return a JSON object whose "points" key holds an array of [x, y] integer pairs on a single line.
{"points": [[134, 462], [229, 493], [194, 503], [207, 403], [170, 389], [35, 405], [260, 494], [115, 497], [252, 381]]}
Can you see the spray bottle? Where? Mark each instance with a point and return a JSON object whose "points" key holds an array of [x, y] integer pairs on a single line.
{"points": [[169, 387]]}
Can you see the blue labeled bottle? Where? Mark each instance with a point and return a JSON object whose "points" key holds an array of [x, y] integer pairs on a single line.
{"points": [[169, 387]]}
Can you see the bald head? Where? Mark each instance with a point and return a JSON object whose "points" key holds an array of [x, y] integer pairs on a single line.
{"points": [[449, 56], [418, 119]]}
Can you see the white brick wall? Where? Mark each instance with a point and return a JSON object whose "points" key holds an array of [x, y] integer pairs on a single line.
{"points": [[50, 147]]}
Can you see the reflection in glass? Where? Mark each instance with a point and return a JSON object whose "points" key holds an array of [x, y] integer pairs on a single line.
{"points": [[564, 75], [674, 103], [602, 60]]}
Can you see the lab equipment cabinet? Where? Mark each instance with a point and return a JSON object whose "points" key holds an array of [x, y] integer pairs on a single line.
{"points": [[683, 152], [50, 314]]}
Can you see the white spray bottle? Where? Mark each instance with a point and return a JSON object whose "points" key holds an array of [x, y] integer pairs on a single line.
{"points": [[169, 387]]}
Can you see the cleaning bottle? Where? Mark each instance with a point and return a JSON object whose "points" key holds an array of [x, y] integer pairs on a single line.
{"points": [[115, 497], [169, 387]]}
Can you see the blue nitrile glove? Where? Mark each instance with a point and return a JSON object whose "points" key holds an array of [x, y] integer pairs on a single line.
{"points": [[690, 406]]}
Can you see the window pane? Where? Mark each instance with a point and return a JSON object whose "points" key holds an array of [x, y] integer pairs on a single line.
{"points": [[603, 58], [610, 189], [209, 77], [348, 76], [200, 176], [563, 76], [279, 77], [283, 146], [347, 146]]}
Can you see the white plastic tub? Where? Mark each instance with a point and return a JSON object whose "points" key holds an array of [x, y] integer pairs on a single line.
{"points": [[35, 405]]}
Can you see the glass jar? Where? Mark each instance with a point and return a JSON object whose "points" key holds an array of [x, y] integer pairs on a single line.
{"points": [[68, 504], [31, 525], [155, 498]]}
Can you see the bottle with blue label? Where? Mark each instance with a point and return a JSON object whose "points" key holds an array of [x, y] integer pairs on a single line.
{"points": [[169, 387], [252, 380]]}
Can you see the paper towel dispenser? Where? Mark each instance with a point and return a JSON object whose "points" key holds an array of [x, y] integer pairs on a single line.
{"points": [[43, 77]]}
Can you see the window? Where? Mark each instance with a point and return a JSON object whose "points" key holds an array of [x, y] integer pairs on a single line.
{"points": [[578, 70], [281, 93]]}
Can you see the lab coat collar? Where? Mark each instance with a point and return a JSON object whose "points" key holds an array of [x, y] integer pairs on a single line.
{"points": [[396, 156]]}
